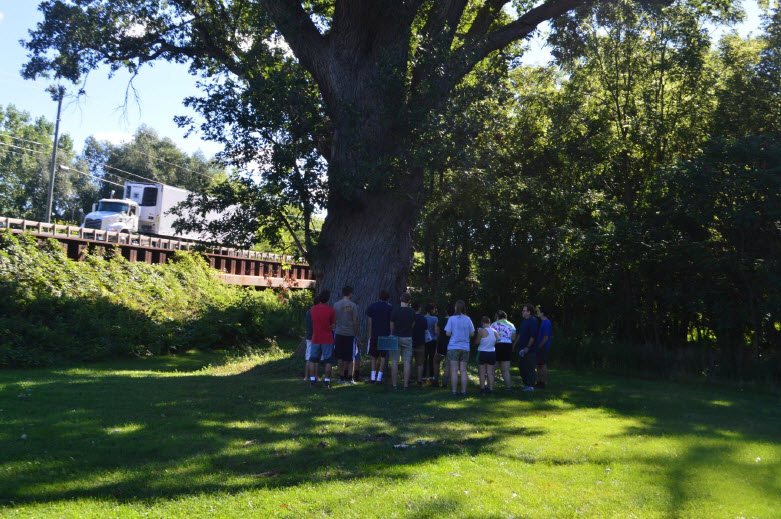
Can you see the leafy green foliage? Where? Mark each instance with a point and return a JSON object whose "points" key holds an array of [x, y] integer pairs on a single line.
{"points": [[54, 309], [147, 156], [609, 195], [25, 164]]}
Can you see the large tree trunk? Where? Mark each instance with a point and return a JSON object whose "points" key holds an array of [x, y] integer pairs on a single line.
{"points": [[367, 245]]}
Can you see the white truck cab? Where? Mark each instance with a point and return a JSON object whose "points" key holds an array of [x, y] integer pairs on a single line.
{"points": [[113, 214]]}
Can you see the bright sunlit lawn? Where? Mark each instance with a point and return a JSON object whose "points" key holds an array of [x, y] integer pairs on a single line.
{"points": [[204, 436]]}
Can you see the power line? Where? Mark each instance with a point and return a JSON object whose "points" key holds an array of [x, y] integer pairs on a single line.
{"points": [[22, 148], [25, 140], [128, 173], [172, 164], [98, 163], [66, 168], [137, 151]]}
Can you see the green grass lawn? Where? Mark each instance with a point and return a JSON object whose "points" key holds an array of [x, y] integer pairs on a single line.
{"points": [[201, 435]]}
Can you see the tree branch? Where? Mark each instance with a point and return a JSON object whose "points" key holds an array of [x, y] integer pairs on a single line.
{"points": [[300, 33], [484, 18], [289, 228], [437, 35], [479, 45]]}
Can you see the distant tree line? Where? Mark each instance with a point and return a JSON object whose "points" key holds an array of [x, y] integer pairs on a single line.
{"points": [[633, 185], [97, 172]]}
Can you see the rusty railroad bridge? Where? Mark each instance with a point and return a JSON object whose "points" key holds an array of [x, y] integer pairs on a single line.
{"points": [[236, 266]]}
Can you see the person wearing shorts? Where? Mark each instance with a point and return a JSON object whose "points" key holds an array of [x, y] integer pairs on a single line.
{"points": [[430, 348], [307, 354], [419, 330], [543, 345], [440, 357], [460, 329], [323, 319], [527, 353], [504, 346], [402, 322], [379, 326], [486, 354], [346, 330]]}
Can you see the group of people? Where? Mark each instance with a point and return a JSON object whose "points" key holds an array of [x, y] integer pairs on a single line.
{"points": [[332, 338]]}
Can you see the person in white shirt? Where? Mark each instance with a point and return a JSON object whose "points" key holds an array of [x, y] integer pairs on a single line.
{"points": [[460, 329], [486, 354]]}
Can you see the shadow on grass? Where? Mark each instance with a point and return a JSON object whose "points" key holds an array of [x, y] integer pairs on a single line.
{"points": [[716, 428], [129, 434], [145, 435]]}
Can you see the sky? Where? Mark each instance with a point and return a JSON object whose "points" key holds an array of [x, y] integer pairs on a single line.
{"points": [[103, 112]]}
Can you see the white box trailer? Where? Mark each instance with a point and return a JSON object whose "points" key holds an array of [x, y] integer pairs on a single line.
{"points": [[145, 208], [155, 202]]}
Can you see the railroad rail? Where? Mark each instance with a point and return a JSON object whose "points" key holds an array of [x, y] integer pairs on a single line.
{"points": [[237, 266]]}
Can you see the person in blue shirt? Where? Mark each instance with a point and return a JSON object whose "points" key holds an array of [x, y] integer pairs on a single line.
{"points": [[379, 326], [543, 345], [527, 353]]}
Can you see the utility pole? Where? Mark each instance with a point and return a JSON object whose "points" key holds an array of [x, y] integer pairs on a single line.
{"points": [[57, 93]]}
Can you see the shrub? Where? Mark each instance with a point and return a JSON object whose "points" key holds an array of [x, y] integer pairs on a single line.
{"points": [[54, 309]]}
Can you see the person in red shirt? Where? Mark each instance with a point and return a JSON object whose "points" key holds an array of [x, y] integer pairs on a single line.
{"points": [[323, 319]]}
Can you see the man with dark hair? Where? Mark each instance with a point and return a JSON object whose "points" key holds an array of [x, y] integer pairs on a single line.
{"points": [[346, 330], [527, 335], [543, 344], [504, 345], [379, 326], [323, 319], [419, 341], [402, 322], [430, 348]]}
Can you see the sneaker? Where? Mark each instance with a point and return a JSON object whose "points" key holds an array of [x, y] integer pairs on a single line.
{"points": [[420, 384], [351, 382], [454, 393], [509, 389], [341, 381], [463, 395], [312, 383], [528, 388], [327, 385]]}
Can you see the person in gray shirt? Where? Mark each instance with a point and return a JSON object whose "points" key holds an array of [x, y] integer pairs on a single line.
{"points": [[346, 330]]}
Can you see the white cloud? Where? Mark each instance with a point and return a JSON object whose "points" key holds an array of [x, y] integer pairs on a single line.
{"points": [[113, 137], [1, 16]]}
